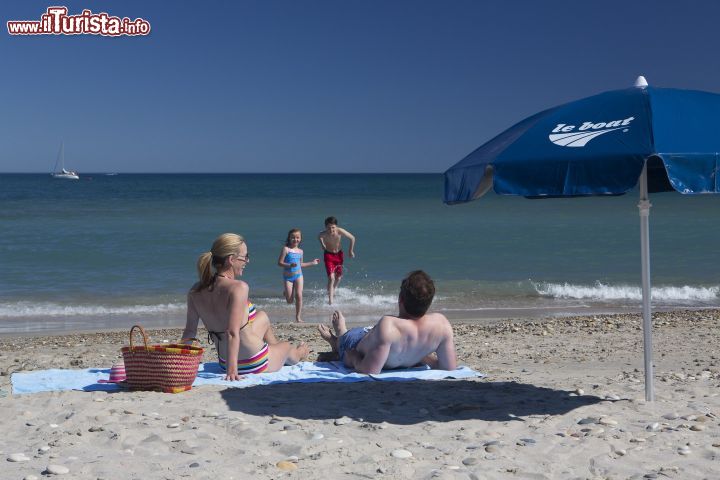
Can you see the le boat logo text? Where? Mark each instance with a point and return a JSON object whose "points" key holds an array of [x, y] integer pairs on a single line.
{"points": [[56, 21], [573, 136]]}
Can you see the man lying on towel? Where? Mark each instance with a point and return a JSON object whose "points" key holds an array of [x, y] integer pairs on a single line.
{"points": [[413, 337]]}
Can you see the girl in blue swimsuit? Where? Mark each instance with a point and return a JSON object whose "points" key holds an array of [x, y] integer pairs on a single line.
{"points": [[291, 260]]}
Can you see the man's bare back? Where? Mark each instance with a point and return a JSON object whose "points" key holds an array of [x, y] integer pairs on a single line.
{"points": [[413, 336], [410, 341], [396, 342]]}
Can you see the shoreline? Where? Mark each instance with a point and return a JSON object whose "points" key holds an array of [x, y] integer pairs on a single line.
{"points": [[563, 398], [61, 325]]}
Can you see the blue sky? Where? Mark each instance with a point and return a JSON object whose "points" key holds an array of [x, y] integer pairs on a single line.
{"points": [[326, 86]]}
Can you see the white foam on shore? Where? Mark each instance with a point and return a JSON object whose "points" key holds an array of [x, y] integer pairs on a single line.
{"points": [[601, 291], [344, 298], [348, 298], [49, 309]]}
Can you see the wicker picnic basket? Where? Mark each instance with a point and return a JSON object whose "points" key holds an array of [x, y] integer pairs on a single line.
{"points": [[170, 368]]}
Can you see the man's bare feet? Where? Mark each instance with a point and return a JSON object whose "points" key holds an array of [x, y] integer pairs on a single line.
{"points": [[325, 333], [299, 320], [328, 336], [338, 321]]}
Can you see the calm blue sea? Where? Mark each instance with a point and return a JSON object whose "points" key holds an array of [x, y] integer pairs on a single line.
{"points": [[106, 251]]}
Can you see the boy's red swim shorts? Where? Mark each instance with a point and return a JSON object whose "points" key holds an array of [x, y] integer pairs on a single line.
{"points": [[334, 263]]}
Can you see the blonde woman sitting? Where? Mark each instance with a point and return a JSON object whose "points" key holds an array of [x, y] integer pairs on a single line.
{"points": [[242, 335]]}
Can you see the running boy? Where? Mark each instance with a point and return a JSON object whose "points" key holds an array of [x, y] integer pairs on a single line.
{"points": [[331, 242]]}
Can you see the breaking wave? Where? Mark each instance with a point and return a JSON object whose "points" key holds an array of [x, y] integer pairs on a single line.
{"points": [[344, 298], [348, 298], [47, 309], [600, 291]]}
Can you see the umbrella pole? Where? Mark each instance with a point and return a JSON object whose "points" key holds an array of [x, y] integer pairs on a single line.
{"points": [[644, 207]]}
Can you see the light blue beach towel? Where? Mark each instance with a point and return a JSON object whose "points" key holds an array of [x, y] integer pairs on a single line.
{"points": [[211, 374]]}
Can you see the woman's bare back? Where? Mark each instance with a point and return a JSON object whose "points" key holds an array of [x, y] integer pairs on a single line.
{"points": [[213, 307]]}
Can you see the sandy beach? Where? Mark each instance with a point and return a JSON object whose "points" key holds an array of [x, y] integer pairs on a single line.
{"points": [[537, 172], [563, 398]]}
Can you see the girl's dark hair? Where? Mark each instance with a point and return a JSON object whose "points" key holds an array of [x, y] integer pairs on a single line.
{"points": [[290, 233]]}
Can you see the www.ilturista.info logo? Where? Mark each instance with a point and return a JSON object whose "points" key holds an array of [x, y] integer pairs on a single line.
{"points": [[56, 21], [572, 136]]}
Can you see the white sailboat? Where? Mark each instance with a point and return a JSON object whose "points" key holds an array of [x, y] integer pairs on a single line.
{"points": [[62, 173]]}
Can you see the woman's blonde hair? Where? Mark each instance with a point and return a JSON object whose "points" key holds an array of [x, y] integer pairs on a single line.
{"points": [[225, 245]]}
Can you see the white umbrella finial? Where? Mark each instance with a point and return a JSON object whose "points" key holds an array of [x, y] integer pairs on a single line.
{"points": [[641, 82]]}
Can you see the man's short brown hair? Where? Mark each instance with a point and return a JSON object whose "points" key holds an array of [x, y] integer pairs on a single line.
{"points": [[416, 292]]}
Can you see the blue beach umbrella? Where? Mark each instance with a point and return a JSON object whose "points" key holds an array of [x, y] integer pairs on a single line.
{"points": [[665, 139]]}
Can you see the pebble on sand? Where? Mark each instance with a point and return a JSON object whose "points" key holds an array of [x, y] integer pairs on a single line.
{"points": [[17, 457], [587, 421], [285, 465], [57, 469], [684, 450], [608, 422], [400, 453], [653, 427]]}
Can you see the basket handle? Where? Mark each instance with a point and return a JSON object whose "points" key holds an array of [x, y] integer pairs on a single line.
{"points": [[142, 332]]}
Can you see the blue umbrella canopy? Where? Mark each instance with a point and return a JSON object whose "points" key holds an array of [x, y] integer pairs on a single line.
{"points": [[659, 138], [598, 146]]}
